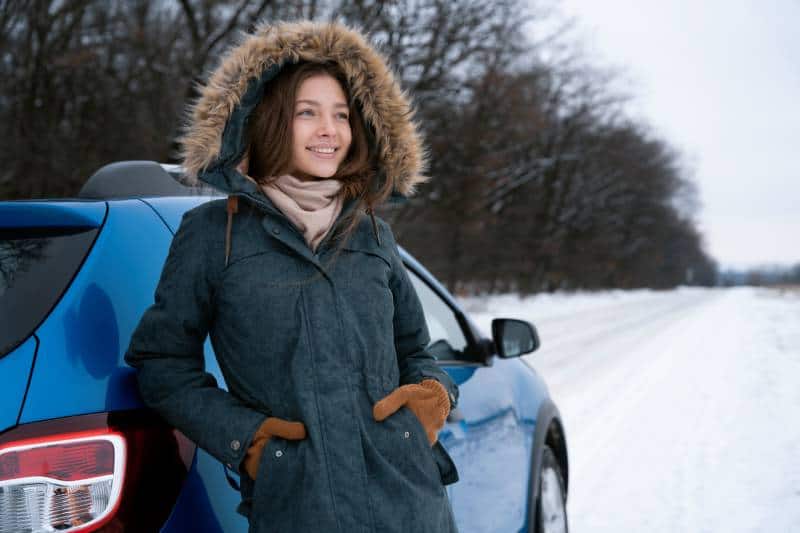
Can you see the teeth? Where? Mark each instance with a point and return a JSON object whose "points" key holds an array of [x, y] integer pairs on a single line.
{"points": [[323, 150]]}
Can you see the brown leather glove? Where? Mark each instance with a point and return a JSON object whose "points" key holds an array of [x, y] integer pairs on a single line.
{"points": [[271, 427], [428, 400]]}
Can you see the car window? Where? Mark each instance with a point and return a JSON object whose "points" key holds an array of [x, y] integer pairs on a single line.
{"points": [[447, 338], [36, 266]]}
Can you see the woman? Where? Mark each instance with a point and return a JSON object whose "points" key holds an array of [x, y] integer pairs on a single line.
{"points": [[333, 403]]}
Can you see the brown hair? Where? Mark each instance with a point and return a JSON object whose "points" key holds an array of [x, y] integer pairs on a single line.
{"points": [[270, 138]]}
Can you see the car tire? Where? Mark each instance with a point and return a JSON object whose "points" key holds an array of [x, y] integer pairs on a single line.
{"points": [[551, 501]]}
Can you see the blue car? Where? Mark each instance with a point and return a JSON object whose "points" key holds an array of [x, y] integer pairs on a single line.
{"points": [[80, 452]]}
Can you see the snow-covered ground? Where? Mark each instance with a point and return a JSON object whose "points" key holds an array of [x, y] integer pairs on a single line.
{"points": [[682, 408]]}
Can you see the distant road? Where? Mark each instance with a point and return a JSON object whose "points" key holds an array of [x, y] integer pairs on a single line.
{"points": [[682, 408]]}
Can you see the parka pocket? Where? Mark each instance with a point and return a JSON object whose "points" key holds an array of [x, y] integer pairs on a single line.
{"points": [[447, 468], [441, 459], [246, 491], [271, 468], [368, 273], [416, 433], [249, 486], [373, 251]]}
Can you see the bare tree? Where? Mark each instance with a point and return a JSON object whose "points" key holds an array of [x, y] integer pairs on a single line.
{"points": [[540, 180]]}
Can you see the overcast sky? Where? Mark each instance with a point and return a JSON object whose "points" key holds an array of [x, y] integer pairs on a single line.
{"points": [[720, 80]]}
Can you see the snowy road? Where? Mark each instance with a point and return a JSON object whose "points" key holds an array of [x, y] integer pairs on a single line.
{"points": [[682, 408]]}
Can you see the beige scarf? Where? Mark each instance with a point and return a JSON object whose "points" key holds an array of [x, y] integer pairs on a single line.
{"points": [[312, 206]]}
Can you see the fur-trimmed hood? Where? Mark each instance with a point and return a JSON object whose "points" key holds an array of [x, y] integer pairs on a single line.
{"points": [[214, 142]]}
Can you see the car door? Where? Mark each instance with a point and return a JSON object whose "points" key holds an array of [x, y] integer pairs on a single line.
{"points": [[490, 434]]}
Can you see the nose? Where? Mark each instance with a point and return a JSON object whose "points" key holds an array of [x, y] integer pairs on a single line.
{"points": [[326, 127]]}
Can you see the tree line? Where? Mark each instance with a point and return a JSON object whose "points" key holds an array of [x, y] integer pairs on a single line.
{"points": [[763, 276], [540, 180]]}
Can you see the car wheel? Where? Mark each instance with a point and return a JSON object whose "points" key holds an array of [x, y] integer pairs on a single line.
{"points": [[551, 502]]}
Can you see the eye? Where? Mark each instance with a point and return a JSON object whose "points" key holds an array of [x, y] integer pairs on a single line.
{"points": [[305, 112], [343, 116]]}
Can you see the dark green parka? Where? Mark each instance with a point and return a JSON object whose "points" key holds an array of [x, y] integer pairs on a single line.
{"points": [[299, 335]]}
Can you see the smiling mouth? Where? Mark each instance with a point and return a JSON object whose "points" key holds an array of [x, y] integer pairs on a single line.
{"points": [[325, 150]]}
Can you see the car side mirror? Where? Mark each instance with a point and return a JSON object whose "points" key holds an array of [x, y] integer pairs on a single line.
{"points": [[514, 337]]}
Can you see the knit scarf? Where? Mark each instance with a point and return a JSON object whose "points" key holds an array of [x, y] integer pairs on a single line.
{"points": [[312, 206]]}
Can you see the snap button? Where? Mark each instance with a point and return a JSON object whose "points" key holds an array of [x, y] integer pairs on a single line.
{"points": [[235, 445], [279, 454], [276, 231], [406, 434]]}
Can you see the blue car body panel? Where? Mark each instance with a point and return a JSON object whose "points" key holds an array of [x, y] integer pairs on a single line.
{"points": [[172, 209], [213, 492], [491, 446], [197, 510], [83, 341], [15, 369], [79, 369]]}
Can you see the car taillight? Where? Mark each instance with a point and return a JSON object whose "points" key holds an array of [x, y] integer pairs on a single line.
{"points": [[100, 472], [61, 483]]}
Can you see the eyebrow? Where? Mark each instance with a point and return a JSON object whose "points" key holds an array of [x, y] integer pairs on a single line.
{"points": [[314, 102]]}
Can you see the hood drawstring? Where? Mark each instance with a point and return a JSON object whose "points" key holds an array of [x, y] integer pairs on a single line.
{"points": [[233, 208], [374, 225]]}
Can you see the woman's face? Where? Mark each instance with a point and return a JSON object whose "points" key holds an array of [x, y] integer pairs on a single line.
{"points": [[321, 128]]}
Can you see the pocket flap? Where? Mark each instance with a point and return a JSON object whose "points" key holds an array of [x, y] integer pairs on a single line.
{"points": [[447, 468]]}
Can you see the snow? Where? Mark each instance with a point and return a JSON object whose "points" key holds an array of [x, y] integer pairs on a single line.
{"points": [[682, 408]]}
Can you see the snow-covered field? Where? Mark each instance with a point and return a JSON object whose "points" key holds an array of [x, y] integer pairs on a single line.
{"points": [[682, 408]]}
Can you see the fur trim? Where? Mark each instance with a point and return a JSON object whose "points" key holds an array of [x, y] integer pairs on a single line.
{"points": [[385, 106]]}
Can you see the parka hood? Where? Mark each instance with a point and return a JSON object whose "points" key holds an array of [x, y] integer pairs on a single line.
{"points": [[214, 138]]}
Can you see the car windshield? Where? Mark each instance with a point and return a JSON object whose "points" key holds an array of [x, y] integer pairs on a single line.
{"points": [[36, 267]]}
